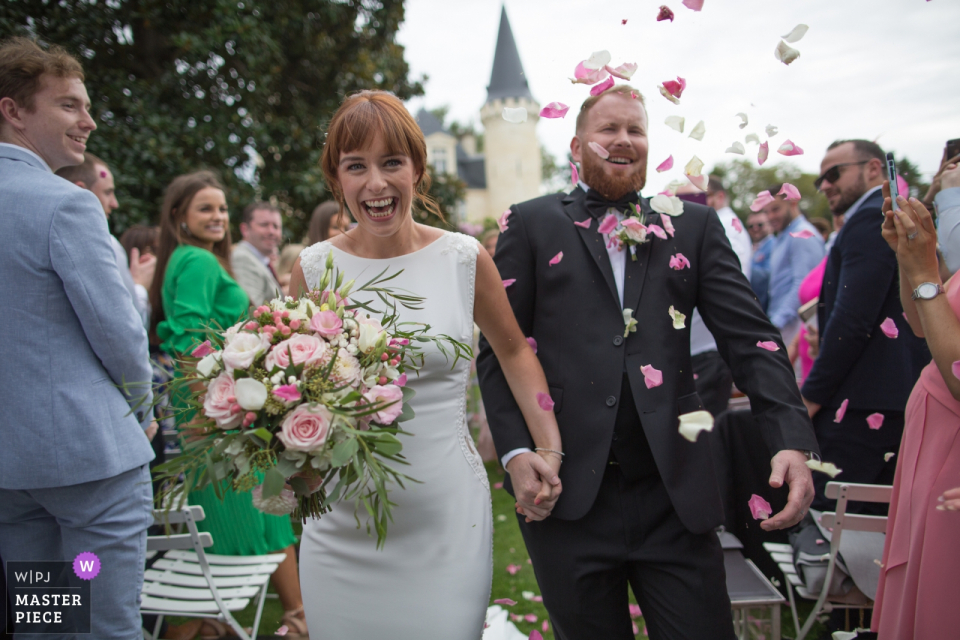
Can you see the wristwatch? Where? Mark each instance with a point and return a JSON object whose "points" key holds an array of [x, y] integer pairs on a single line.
{"points": [[927, 291]]}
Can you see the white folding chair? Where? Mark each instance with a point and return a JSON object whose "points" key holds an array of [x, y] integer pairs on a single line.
{"points": [[189, 582], [836, 522]]}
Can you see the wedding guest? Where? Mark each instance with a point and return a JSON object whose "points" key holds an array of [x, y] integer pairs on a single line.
{"points": [[796, 250], [327, 221], [194, 289], [94, 175], [944, 193], [489, 241], [809, 289], [837, 225], [763, 240], [860, 367], [823, 226], [920, 572], [757, 227], [288, 257], [75, 433], [262, 229]]}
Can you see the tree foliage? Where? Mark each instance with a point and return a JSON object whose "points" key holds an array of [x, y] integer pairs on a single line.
{"points": [[240, 86]]}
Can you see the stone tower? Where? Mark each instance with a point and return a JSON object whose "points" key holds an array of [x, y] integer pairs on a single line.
{"points": [[512, 152]]}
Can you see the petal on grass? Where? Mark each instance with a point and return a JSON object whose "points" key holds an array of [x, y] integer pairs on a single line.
{"points": [[554, 110], [675, 123], [698, 131], [556, 259], [545, 401], [889, 328], [745, 119], [824, 467], [598, 149], [514, 115], [798, 32], [875, 420], [842, 411], [603, 86], [760, 509], [788, 148], [691, 424], [737, 147], [651, 377], [785, 53], [513, 568], [789, 192], [666, 165], [769, 345], [505, 601], [763, 199], [764, 153]]}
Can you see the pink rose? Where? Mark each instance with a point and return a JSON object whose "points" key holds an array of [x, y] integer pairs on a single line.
{"points": [[305, 428], [326, 323], [220, 401], [388, 394], [306, 350]]}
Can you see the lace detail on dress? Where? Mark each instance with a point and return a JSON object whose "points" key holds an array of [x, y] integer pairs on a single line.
{"points": [[468, 248], [312, 261]]}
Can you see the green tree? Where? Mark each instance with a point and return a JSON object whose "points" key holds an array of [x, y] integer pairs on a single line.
{"points": [[743, 180], [240, 86], [449, 191]]}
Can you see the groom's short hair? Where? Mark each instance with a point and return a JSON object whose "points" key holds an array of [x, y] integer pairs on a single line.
{"points": [[623, 89], [23, 63]]}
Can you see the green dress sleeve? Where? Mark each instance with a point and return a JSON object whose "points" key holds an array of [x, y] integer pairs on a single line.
{"points": [[192, 284]]}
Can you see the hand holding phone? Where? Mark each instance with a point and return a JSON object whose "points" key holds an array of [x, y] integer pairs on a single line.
{"points": [[892, 177]]}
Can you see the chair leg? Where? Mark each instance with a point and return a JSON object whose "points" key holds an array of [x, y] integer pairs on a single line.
{"points": [[793, 608], [775, 622], [261, 599]]}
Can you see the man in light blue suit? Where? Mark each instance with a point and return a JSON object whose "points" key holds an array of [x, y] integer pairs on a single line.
{"points": [[74, 369]]}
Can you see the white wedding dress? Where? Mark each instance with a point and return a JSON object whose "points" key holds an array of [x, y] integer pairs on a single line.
{"points": [[432, 578]]}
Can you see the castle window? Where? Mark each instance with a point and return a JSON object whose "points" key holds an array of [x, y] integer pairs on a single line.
{"points": [[440, 160]]}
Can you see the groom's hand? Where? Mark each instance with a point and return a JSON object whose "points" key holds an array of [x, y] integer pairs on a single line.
{"points": [[531, 476], [790, 466]]}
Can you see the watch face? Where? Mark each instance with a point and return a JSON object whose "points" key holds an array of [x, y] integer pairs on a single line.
{"points": [[927, 290]]}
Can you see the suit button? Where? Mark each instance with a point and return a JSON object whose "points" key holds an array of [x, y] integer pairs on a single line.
{"points": [[611, 401], [617, 340]]}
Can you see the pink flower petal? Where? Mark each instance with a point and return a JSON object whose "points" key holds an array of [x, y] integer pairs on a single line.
{"points": [[651, 377], [583, 75], [287, 392], [789, 192], [574, 175], [554, 110], [668, 225], [759, 508], [201, 350], [508, 282], [513, 568], [636, 629], [675, 87], [679, 261], [498, 485], [598, 149], [635, 610], [546, 625], [875, 420], [535, 635], [696, 5], [624, 71], [657, 230], [603, 86], [585, 224], [842, 411], [769, 345], [608, 224], [665, 14], [700, 182], [889, 328], [506, 601], [788, 148], [737, 225], [764, 153], [401, 381], [956, 369], [531, 617], [556, 259], [902, 186], [502, 221], [545, 401], [666, 165], [537, 599], [802, 234], [532, 343], [516, 617]]}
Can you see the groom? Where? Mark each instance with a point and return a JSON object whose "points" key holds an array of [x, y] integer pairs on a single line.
{"points": [[640, 502]]}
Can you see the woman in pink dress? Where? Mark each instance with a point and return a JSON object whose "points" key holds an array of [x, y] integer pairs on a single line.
{"points": [[920, 575], [809, 289]]}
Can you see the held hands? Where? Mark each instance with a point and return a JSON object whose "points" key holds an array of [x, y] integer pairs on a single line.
{"points": [[790, 466], [910, 233], [535, 483]]}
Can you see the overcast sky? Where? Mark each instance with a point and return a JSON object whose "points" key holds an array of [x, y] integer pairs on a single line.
{"points": [[877, 69]]}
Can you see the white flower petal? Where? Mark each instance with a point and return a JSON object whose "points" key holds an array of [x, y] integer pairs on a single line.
{"points": [[736, 147], [771, 130], [752, 137], [208, 364], [675, 123], [785, 53], [694, 167], [251, 394], [515, 115], [679, 319], [667, 205], [597, 60], [745, 119], [824, 467], [798, 32], [698, 131], [691, 424]]}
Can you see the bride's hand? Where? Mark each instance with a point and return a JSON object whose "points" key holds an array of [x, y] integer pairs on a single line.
{"points": [[529, 472]]}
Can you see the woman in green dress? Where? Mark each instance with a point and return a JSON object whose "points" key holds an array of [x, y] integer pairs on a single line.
{"points": [[193, 289]]}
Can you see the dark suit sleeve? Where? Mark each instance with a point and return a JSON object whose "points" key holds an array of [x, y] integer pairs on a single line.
{"points": [[731, 312], [867, 268], [514, 259]]}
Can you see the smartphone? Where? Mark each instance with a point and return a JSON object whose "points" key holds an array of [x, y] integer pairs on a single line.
{"points": [[953, 148], [892, 177]]}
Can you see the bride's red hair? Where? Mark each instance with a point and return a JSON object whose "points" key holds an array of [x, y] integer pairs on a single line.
{"points": [[362, 116]]}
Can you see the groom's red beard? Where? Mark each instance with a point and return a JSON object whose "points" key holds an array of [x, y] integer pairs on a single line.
{"points": [[612, 187]]}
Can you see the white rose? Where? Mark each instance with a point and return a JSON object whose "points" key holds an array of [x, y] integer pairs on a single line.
{"points": [[231, 333], [369, 336], [244, 349], [250, 393], [208, 364]]}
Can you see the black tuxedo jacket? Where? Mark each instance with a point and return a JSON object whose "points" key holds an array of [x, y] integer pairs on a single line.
{"points": [[573, 311], [861, 288]]}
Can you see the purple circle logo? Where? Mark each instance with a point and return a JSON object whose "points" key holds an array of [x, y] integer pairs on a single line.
{"points": [[86, 565]]}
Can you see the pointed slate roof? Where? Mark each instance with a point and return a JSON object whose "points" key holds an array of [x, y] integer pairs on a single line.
{"points": [[429, 123], [507, 79]]}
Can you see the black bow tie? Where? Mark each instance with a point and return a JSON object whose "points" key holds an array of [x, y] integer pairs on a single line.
{"points": [[597, 205]]}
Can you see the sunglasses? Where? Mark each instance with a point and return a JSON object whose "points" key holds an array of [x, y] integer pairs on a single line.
{"points": [[833, 173]]}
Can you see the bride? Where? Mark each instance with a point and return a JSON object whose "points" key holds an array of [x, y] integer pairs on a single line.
{"points": [[434, 572]]}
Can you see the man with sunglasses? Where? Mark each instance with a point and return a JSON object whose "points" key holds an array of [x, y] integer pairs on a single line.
{"points": [[860, 366]]}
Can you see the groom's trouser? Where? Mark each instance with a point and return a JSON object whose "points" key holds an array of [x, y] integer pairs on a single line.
{"points": [[632, 534], [106, 517]]}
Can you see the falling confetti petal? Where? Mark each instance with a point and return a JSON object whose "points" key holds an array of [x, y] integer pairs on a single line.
{"points": [[771, 130], [824, 467], [508, 282], [666, 94], [803, 234], [506, 601], [597, 60], [745, 119], [665, 14], [842, 411], [671, 188], [875, 420], [675, 123], [759, 508], [789, 192], [624, 21], [585, 224], [763, 199], [769, 345], [651, 377], [700, 182], [698, 131], [694, 167], [599, 150], [678, 262], [736, 147], [608, 224], [583, 75], [763, 153], [889, 328], [515, 115], [887, 456], [657, 230], [691, 424], [788, 148], [502, 221], [752, 137], [675, 87], [554, 110], [203, 349], [679, 319], [798, 32], [737, 225], [696, 5], [669, 205], [603, 86], [574, 174], [666, 165], [785, 53], [532, 343], [545, 401], [556, 259], [668, 223], [624, 71]]}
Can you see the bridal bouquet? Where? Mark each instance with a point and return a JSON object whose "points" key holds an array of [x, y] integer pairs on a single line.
{"points": [[307, 394]]}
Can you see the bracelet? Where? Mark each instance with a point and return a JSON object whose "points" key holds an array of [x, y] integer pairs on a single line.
{"points": [[559, 453]]}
